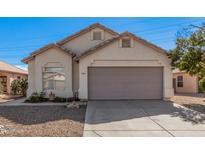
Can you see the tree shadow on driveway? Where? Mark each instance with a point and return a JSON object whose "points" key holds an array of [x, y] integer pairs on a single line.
{"points": [[28, 115], [110, 111], [196, 107], [191, 113]]}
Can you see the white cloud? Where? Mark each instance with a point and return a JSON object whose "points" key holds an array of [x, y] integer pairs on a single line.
{"points": [[23, 67]]}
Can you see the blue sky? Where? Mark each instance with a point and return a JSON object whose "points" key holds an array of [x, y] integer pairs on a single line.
{"points": [[21, 36]]}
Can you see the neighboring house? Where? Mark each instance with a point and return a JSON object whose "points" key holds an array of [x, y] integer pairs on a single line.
{"points": [[97, 63], [184, 83], [8, 73]]}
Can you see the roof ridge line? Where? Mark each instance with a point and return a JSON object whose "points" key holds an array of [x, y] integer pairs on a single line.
{"points": [[84, 30]]}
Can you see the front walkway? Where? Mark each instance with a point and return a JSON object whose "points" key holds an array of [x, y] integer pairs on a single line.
{"points": [[20, 102], [142, 118]]}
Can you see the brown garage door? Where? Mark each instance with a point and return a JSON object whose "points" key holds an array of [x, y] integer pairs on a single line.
{"points": [[113, 83]]}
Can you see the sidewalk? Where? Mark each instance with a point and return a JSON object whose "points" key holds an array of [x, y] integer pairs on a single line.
{"points": [[20, 102]]}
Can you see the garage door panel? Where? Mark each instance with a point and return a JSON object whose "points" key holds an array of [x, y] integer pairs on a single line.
{"points": [[125, 83]]}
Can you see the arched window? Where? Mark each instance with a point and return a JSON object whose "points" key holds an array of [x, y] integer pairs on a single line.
{"points": [[53, 78]]}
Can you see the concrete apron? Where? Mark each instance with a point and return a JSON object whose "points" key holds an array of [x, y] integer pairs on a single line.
{"points": [[141, 119]]}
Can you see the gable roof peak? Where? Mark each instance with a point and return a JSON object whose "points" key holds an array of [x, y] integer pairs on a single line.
{"points": [[85, 30], [45, 48], [126, 33], [96, 24]]}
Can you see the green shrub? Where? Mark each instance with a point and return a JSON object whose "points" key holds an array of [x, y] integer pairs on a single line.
{"points": [[71, 99], [34, 99], [59, 99], [15, 87], [19, 86], [202, 85], [23, 84], [37, 98], [42, 97]]}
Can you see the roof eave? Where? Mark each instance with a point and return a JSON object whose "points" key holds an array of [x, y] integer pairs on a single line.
{"points": [[14, 72], [147, 43], [47, 47], [27, 59]]}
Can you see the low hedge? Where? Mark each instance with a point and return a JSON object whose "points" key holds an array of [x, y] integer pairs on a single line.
{"points": [[41, 97]]}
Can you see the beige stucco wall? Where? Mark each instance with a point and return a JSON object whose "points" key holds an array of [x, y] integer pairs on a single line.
{"points": [[31, 78], [75, 74], [84, 42], [190, 83], [10, 77], [80, 45], [112, 55], [52, 57]]}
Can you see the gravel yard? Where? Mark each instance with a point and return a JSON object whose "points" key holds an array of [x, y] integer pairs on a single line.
{"points": [[41, 121], [193, 101]]}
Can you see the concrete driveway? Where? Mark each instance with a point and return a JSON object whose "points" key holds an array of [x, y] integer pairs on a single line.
{"points": [[141, 118]]}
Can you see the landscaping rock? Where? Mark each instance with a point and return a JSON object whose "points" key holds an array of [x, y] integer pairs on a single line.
{"points": [[73, 105], [3, 129]]}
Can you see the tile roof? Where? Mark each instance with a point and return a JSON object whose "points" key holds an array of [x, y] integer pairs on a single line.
{"points": [[95, 48], [10, 68]]}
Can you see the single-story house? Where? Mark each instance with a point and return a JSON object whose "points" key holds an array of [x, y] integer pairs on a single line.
{"points": [[98, 63], [184, 83], [8, 73]]}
